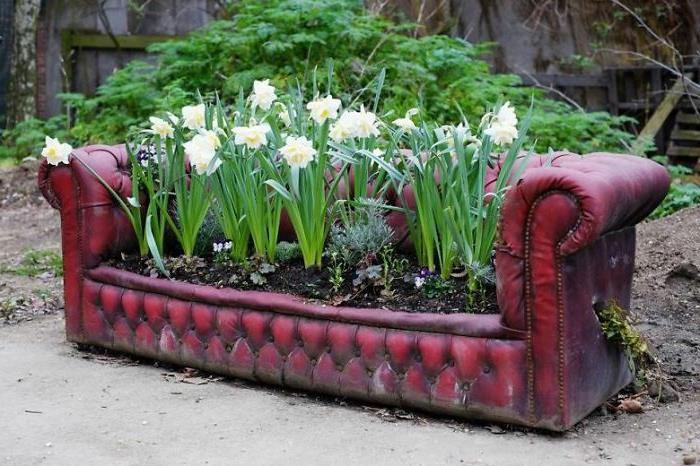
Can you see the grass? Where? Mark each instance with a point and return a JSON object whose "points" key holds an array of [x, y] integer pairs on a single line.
{"points": [[35, 262]]}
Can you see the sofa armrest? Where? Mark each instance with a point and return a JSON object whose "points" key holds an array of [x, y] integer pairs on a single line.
{"points": [[93, 224], [559, 208]]}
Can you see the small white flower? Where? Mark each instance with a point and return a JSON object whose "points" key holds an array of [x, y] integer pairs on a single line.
{"points": [[193, 116], [254, 136], [55, 151], [377, 152], [506, 115], [212, 136], [263, 94], [160, 128], [365, 124], [201, 152], [323, 109], [227, 245], [503, 128], [298, 152], [501, 134], [406, 122], [216, 247], [343, 128], [283, 115], [419, 282]]}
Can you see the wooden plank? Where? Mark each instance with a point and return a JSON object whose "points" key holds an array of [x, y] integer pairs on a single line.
{"points": [[74, 39], [688, 118], [682, 151], [663, 111], [685, 135], [565, 80]]}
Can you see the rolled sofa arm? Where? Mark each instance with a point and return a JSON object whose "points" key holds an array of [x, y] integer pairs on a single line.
{"points": [[93, 224], [565, 205]]}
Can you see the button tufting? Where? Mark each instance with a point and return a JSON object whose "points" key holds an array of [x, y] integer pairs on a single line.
{"points": [[228, 348], [487, 369]]}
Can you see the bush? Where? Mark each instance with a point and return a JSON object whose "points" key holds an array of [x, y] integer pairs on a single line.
{"points": [[27, 138], [286, 40], [680, 194]]}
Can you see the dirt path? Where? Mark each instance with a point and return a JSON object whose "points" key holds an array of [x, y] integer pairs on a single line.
{"points": [[59, 405]]}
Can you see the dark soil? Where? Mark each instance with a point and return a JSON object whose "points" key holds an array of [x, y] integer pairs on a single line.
{"points": [[314, 285], [666, 294]]}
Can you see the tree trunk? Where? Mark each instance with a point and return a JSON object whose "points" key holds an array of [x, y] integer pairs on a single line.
{"points": [[21, 92]]}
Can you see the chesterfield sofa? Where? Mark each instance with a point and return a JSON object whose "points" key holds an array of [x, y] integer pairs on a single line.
{"points": [[566, 245]]}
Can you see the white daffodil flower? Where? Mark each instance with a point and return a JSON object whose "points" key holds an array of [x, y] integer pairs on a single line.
{"points": [[506, 115], [503, 128], [502, 134], [161, 128], [212, 136], [263, 95], [254, 136], [365, 124], [193, 116], [323, 109], [406, 122], [201, 151], [344, 128], [56, 152], [298, 151], [283, 114]]}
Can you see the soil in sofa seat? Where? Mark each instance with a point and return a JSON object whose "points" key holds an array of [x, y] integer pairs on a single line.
{"points": [[313, 284]]}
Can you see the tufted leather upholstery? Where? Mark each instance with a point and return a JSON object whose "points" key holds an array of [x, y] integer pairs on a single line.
{"points": [[566, 244]]}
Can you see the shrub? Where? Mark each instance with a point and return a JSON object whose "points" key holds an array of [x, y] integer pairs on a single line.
{"points": [[27, 138], [680, 194], [363, 238], [286, 40]]}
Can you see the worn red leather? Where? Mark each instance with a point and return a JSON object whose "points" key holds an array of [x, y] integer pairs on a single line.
{"points": [[566, 245]]}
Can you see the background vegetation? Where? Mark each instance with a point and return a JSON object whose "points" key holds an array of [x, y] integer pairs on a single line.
{"points": [[284, 40]]}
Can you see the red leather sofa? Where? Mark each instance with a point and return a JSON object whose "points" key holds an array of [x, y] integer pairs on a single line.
{"points": [[566, 244]]}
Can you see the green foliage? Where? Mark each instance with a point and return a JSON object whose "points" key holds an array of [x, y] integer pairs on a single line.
{"points": [[35, 262], [285, 40], [362, 239], [454, 220], [616, 324], [287, 252], [435, 286], [680, 195], [27, 138]]}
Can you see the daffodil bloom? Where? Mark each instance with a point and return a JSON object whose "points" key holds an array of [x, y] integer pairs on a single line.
{"points": [[283, 115], [323, 109], [161, 128], [212, 136], [506, 115], [263, 95], [343, 128], [298, 151], [503, 128], [365, 124], [406, 122], [193, 116], [201, 151], [55, 151], [254, 136], [502, 134]]}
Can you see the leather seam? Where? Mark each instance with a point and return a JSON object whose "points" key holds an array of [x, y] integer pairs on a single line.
{"points": [[560, 310]]}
